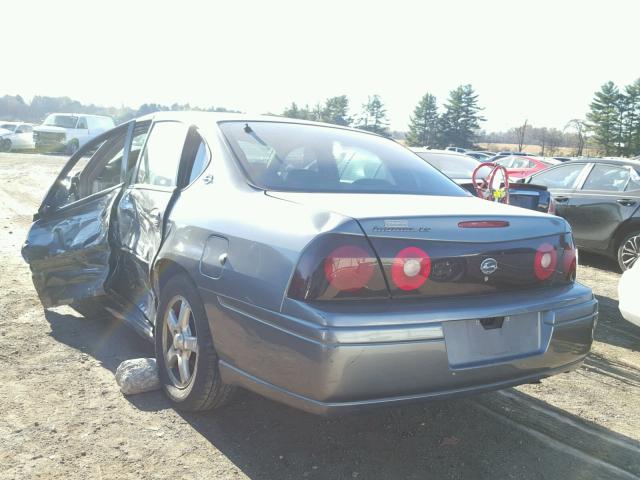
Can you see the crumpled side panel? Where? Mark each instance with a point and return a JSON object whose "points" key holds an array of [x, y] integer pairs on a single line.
{"points": [[69, 252]]}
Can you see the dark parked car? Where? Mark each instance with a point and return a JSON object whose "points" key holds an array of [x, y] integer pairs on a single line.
{"points": [[324, 267], [601, 200]]}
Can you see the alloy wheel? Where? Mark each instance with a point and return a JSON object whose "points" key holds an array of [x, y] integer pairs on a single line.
{"points": [[630, 251], [179, 342]]}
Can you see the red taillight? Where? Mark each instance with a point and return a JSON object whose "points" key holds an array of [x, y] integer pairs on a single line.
{"points": [[349, 268], [484, 224], [570, 260], [411, 268], [545, 262], [338, 267], [552, 207]]}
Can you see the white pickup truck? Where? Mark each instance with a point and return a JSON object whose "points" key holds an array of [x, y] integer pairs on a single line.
{"points": [[69, 131]]}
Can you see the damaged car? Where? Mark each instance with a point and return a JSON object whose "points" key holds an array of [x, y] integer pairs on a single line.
{"points": [[321, 266]]}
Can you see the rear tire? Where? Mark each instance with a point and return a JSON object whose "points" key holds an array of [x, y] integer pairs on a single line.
{"points": [[629, 250], [186, 358]]}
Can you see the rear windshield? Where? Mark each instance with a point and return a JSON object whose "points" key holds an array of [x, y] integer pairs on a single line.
{"points": [[454, 166], [310, 158]]}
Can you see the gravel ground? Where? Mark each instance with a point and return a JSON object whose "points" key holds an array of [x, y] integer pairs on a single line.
{"points": [[64, 417]]}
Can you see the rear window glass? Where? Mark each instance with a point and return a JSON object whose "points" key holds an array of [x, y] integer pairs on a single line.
{"points": [[296, 157], [454, 166]]}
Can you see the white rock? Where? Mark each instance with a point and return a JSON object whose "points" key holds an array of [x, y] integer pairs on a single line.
{"points": [[138, 375]]}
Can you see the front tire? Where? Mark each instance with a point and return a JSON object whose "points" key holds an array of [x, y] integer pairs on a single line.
{"points": [[186, 358], [629, 251], [5, 145], [72, 147]]}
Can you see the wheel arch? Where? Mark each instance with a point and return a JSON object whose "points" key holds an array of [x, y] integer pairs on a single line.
{"points": [[163, 270], [630, 225]]}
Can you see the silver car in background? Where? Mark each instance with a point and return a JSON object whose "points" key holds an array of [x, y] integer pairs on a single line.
{"points": [[16, 136], [324, 267]]}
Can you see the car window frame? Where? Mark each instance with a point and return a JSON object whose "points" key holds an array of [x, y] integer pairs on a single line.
{"points": [[186, 165], [86, 123], [148, 186], [635, 192], [605, 192], [46, 210], [133, 174], [577, 183]]}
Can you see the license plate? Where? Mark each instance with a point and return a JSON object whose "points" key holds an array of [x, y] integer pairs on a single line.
{"points": [[483, 341]]}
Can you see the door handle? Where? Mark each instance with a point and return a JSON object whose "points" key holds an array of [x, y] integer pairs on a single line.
{"points": [[561, 199], [627, 202]]}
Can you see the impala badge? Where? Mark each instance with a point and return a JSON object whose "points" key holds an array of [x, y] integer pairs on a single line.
{"points": [[488, 266]]}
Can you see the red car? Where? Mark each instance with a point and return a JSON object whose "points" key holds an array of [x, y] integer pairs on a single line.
{"points": [[519, 166]]}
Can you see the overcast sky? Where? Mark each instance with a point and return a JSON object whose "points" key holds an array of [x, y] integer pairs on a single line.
{"points": [[540, 60]]}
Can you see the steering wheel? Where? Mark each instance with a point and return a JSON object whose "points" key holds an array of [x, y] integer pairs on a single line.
{"points": [[484, 186]]}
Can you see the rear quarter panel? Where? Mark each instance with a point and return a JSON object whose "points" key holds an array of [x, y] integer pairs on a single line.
{"points": [[265, 237]]}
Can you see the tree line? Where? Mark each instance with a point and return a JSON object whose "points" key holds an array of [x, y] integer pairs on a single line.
{"points": [[16, 108], [612, 125], [614, 119], [457, 125], [372, 117]]}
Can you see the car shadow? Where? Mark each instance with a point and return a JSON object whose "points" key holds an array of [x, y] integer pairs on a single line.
{"points": [[612, 328], [479, 437], [106, 339], [601, 262]]}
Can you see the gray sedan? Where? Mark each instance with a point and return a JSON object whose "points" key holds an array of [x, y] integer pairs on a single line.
{"points": [[324, 267]]}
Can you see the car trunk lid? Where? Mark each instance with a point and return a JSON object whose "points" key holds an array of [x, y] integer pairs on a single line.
{"points": [[450, 246]]}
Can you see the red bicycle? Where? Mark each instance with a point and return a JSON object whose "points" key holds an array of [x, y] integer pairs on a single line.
{"points": [[491, 187]]}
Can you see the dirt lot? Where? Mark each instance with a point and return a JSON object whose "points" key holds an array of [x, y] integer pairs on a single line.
{"points": [[64, 417]]}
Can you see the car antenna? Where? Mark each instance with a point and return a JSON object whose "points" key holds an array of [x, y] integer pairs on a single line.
{"points": [[247, 128]]}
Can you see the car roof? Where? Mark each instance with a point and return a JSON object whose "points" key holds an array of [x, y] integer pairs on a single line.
{"points": [[437, 151], [79, 115], [621, 161], [204, 119]]}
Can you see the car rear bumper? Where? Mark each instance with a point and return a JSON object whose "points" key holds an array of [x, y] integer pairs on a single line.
{"points": [[345, 361]]}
